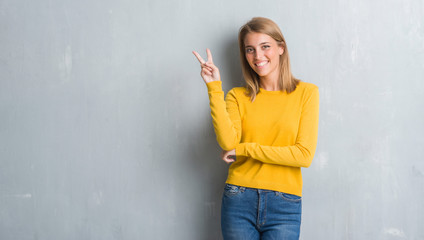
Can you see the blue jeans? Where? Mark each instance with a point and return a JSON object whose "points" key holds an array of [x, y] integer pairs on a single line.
{"points": [[249, 213]]}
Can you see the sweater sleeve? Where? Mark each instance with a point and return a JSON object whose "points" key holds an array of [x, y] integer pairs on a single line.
{"points": [[225, 116], [302, 152]]}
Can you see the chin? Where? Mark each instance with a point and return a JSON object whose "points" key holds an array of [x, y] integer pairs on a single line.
{"points": [[262, 74]]}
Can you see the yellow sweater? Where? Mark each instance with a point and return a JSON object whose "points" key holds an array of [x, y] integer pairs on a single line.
{"points": [[273, 136]]}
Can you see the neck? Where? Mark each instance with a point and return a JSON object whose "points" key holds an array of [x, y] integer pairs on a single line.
{"points": [[270, 83]]}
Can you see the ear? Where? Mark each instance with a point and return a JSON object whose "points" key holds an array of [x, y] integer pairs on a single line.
{"points": [[280, 50]]}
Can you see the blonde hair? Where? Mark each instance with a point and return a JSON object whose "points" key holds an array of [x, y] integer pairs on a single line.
{"points": [[287, 82]]}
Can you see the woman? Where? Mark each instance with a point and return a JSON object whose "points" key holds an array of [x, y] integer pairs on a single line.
{"points": [[271, 127]]}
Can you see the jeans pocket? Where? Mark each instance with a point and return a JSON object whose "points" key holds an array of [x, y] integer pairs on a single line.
{"points": [[233, 190], [289, 197]]}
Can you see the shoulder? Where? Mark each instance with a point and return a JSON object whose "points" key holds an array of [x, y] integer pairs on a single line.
{"points": [[305, 86], [237, 92], [307, 92]]}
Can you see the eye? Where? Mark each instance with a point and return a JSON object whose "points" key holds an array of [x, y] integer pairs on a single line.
{"points": [[249, 50], [266, 46]]}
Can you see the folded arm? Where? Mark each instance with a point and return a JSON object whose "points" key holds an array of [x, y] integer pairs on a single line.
{"points": [[302, 152]]}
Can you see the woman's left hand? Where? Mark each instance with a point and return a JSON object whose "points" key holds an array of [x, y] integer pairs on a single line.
{"points": [[228, 156], [209, 71]]}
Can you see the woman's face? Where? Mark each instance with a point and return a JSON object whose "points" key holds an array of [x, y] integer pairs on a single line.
{"points": [[263, 54]]}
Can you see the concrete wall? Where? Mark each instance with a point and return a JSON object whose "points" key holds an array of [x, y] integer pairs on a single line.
{"points": [[105, 130]]}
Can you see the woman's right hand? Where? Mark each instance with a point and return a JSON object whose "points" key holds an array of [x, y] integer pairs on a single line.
{"points": [[209, 71]]}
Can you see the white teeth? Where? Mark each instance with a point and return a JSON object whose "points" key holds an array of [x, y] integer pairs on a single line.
{"points": [[261, 64]]}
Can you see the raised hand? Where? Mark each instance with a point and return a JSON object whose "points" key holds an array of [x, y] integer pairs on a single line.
{"points": [[209, 71]]}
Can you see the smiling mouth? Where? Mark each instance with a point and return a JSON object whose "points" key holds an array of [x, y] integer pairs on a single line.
{"points": [[261, 64]]}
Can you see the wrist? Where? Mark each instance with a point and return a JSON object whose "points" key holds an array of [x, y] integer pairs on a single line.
{"points": [[214, 86], [240, 149]]}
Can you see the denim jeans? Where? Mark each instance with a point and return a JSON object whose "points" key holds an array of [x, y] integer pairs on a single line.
{"points": [[249, 213]]}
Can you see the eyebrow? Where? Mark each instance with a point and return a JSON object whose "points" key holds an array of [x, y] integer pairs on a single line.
{"points": [[259, 44]]}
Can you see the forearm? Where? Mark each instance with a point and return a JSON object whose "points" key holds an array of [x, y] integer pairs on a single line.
{"points": [[227, 127], [293, 156]]}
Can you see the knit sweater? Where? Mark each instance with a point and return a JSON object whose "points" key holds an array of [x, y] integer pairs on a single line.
{"points": [[273, 136]]}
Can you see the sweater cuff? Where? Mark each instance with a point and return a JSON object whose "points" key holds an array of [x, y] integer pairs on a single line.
{"points": [[241, 150], [214, 86]]}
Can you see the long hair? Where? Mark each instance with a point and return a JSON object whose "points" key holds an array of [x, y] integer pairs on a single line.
{"points": [[287, 82]]}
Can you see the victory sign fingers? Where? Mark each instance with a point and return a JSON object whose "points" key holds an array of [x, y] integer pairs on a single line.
{"points": [[209, 71]]}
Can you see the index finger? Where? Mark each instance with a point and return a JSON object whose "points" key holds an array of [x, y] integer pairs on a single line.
{"points": [[208, 51], [199, 57]]}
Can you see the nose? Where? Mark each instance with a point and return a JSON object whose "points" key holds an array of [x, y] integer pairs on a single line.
{"points": [[258, 54]]}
